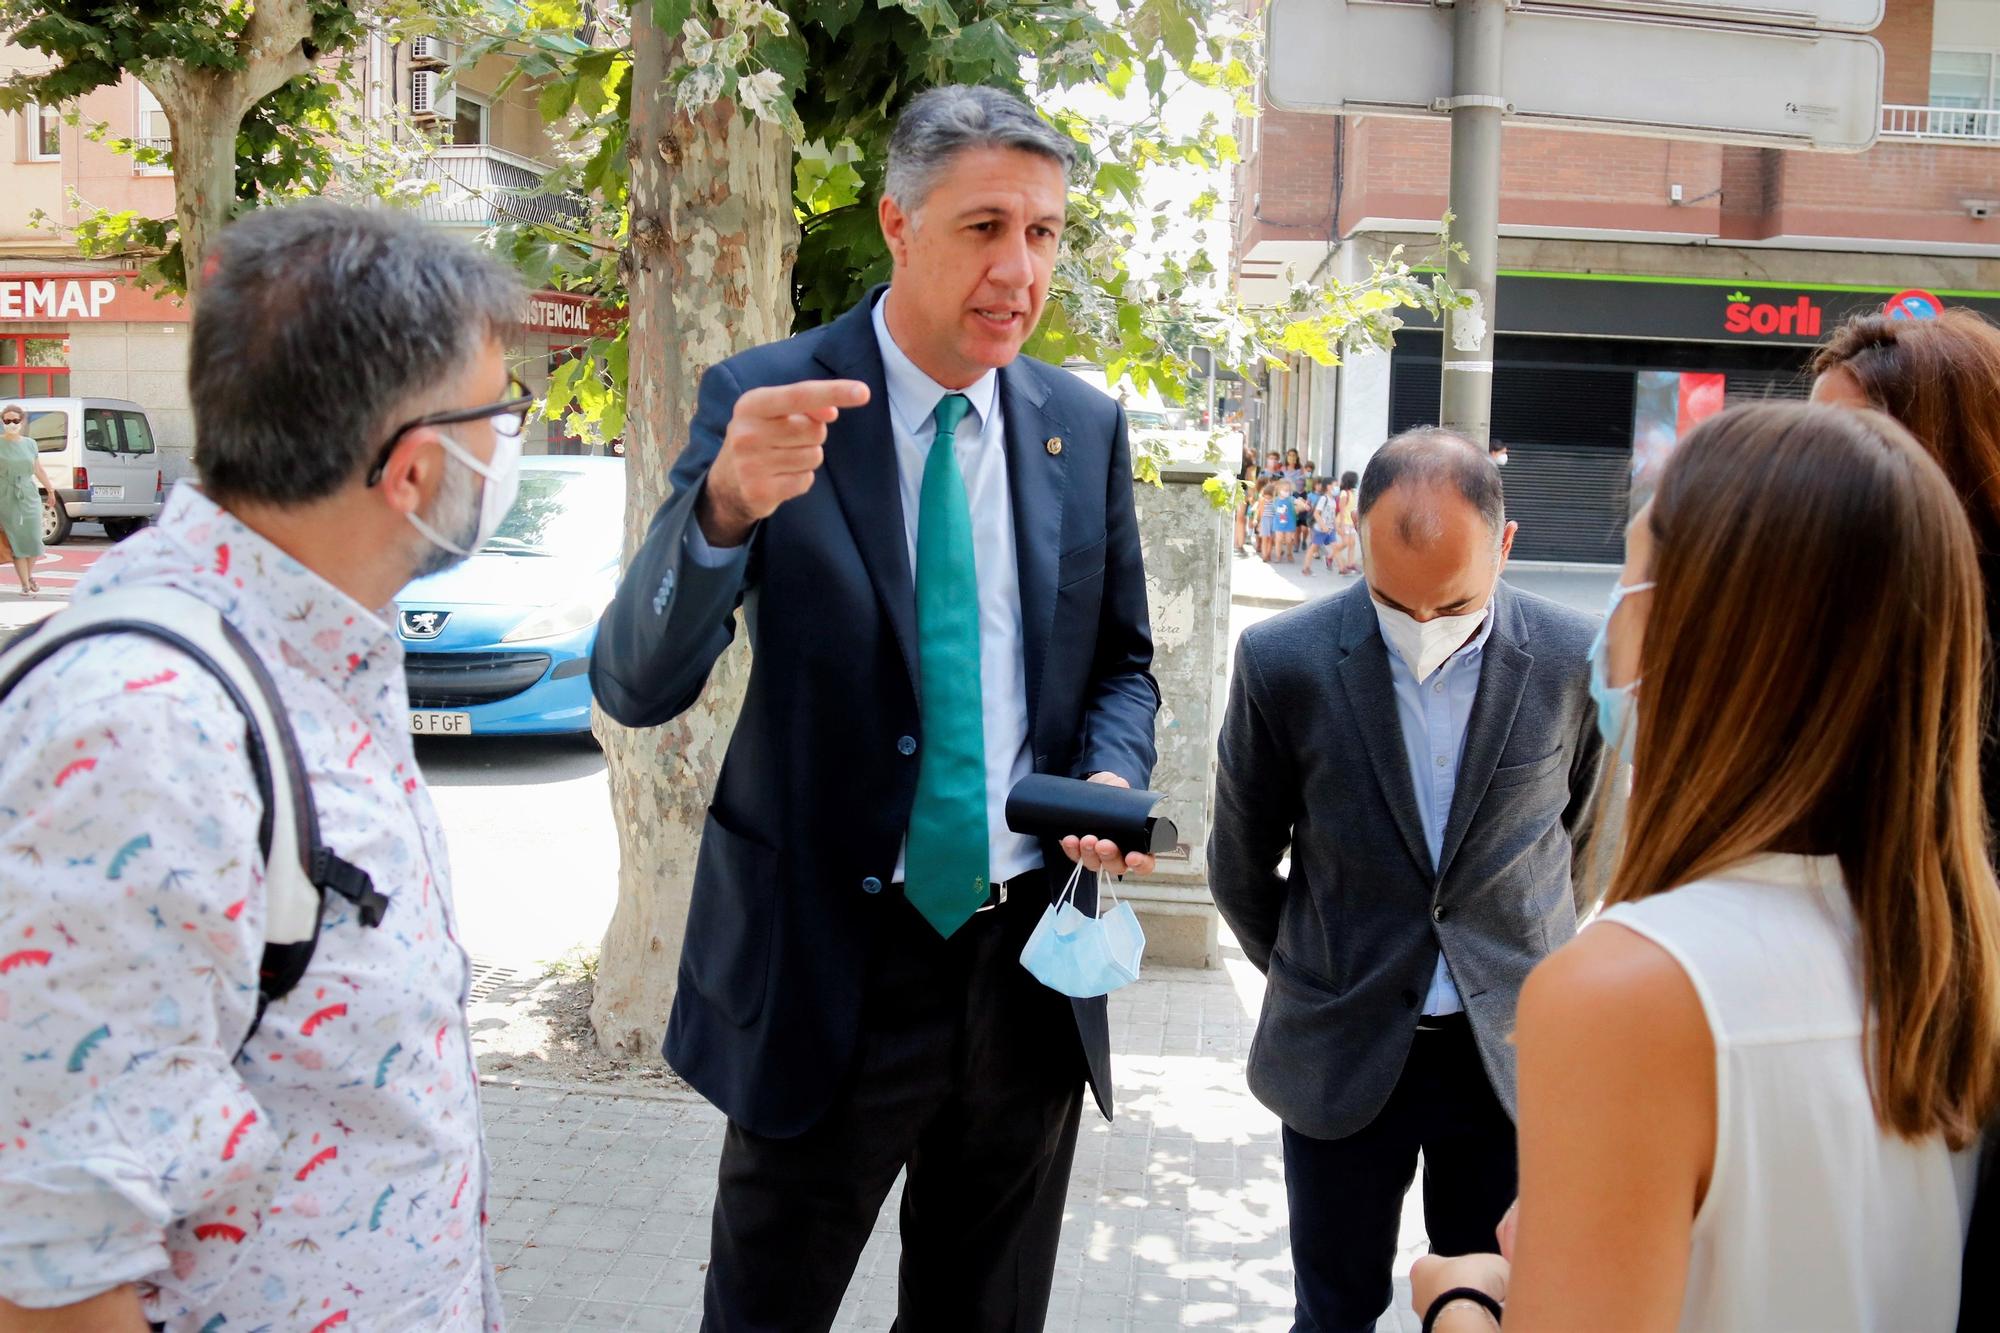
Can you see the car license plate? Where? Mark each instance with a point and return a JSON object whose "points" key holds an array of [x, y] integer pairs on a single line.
{"points": [[440, 724], [102, 493]]}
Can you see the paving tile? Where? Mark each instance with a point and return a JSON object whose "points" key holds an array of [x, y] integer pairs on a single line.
{"points": [[1175, 1214]]}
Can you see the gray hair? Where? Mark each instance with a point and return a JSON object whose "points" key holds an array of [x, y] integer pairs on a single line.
{"points": [[946, 121], [1433, 457], [318, 325]]}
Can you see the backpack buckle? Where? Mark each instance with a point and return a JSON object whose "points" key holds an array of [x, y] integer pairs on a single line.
{"points": [[351, 882]]}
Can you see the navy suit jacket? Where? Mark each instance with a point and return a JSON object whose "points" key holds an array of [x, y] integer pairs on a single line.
{"points": [[815, 792]]}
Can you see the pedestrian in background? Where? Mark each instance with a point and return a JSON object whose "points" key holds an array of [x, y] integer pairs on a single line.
{"points": [[1347, 529], [1749, 1089], [1941, 379], [1246, 476], [1264, 519], [21, 503], [1285, 522], [1322, 527], [200, 1160], [1422, 746]]}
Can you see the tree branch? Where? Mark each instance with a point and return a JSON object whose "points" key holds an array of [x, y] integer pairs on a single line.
{"points": [[273, 47]]}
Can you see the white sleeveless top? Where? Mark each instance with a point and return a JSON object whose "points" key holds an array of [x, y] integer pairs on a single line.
{"points": [[1816, 1218]]}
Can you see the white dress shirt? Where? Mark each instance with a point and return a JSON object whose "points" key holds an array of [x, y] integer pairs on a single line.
{"points": [[1434, 715], [332, 1176], [981, 442]]}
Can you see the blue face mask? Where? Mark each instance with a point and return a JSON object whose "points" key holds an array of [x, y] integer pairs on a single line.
{"points": [[1083, 956], [1617, 709]]}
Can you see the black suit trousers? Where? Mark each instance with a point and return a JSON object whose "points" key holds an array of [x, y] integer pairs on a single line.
{"points": [[1346, 1195], [969, 1076]]}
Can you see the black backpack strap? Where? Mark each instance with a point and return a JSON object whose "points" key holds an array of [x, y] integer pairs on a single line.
{"points": [[284, 963]]}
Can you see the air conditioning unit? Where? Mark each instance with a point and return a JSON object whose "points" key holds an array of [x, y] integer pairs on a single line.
{"points": [[430, 52], [428, 99]]}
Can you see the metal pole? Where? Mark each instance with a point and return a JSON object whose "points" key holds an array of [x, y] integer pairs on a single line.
{"points": [[1478, 27]]}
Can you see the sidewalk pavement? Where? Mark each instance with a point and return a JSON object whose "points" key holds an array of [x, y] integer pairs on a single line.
{"points": [[1176, 1215], [1279, 587]]}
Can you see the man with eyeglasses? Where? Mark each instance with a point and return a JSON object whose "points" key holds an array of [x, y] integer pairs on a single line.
{"points": [[176, 1155]]}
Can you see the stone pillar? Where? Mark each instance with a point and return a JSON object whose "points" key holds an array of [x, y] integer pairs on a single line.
{"points": [[1186, 543]]}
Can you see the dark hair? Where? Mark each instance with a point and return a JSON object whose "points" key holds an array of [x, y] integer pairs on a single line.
{"points": [[1349, 481], [320, 327], [940, 124], [1941, 379], [1431, 456]]}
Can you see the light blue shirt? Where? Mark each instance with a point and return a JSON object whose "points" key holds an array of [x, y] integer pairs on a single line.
{"points": [[1434, 715], [981, 443]]}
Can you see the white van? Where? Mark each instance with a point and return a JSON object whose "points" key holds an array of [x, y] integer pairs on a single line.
{"points": [[100, 454]]}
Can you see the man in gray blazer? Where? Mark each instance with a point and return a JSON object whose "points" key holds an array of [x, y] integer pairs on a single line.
{"points": [[1425, 746]]}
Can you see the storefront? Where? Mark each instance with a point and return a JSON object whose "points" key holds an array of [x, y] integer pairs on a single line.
{"points": [[559, 327], [1592, 374], [95, 334]]}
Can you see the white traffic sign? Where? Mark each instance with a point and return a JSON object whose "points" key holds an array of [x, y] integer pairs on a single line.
{"points": [[1835, 15], [1587, 69]]}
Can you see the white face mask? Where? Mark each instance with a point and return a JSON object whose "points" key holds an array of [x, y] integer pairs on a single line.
{"points": [[1426, 644], [496, 497]]}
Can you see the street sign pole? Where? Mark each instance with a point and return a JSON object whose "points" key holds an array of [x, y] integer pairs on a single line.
{"points": [[1476, 108]]}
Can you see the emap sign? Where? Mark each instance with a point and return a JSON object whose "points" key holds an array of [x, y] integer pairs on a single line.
{"points": [[1692, 310], [70, 298]]}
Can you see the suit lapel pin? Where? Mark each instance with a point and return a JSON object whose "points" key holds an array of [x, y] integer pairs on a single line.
{"points": [[1054, 445]]}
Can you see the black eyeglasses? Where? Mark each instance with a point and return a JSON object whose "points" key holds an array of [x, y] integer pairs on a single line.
{"points": [[506, 417]]}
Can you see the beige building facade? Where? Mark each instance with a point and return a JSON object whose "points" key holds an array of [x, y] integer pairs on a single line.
{"points": [[72, 326]]}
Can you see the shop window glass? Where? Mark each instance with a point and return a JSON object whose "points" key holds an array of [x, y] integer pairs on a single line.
{"points": [[34, 365]]}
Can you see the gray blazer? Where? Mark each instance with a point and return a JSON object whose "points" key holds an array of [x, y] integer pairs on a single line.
{"points": [[1312, 758]]}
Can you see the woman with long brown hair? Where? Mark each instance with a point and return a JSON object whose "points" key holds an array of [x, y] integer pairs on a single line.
{"points": [[1746, 1090], [1941, 379]]}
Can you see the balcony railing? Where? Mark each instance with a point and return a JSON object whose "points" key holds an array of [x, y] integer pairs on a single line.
{"points": [[481, 185], [1942, 124]]}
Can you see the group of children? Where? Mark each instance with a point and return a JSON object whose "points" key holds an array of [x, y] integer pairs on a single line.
{"points": [[1295, 515]]}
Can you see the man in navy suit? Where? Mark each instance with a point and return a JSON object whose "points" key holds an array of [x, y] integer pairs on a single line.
{"points": [[957, 603]]}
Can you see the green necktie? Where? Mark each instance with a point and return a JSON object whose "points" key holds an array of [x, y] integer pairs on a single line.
{"points": [[946, 862]]}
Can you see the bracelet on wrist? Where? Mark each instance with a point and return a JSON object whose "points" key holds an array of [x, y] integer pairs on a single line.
{"points": [[1470, 1295]]}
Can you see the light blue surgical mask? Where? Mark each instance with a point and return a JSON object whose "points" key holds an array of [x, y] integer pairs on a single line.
{"points": [[1084, 956], [1617, 705]]}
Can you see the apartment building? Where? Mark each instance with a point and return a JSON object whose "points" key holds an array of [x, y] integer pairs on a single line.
{"points": [[75, 326], [1641, 279]]}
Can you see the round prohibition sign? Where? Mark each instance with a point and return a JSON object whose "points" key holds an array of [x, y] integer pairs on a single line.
{"points": [[1913, 304]]}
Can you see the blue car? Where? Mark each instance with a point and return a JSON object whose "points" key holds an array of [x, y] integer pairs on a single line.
{"points": [[500, 645]]}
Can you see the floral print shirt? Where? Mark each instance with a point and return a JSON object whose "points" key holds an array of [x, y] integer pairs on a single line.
{"points": [[332, 1174]]}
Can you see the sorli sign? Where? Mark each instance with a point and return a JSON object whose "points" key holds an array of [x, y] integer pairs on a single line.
{"points": [[1800, 318]]}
